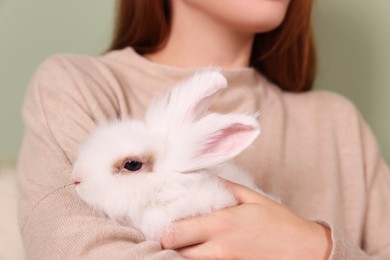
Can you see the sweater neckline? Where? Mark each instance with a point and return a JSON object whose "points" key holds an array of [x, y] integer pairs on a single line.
{"points": [[236, 77]]}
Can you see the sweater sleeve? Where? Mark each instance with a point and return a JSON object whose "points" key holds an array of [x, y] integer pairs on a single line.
{"points": [[375, 230], [376, 238], [54, 223]]}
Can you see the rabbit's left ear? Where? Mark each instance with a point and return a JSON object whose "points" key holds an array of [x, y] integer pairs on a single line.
{"points": [[215, 139], [186, 102]]}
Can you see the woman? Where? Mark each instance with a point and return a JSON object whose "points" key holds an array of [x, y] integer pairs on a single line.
{"points": [[315, 152]]}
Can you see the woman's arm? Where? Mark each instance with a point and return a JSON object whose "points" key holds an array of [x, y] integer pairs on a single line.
{"points": [[58, 113]]}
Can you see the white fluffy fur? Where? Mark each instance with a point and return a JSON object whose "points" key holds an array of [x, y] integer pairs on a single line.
{"points": [[189, 152]]}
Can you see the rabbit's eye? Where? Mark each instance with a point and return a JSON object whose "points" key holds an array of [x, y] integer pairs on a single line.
{"points": [[133, 166]]}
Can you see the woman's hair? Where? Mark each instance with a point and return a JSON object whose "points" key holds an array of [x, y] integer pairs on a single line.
{"points": [[285, 55]]}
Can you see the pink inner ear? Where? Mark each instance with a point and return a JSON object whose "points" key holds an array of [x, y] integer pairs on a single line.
{"points": [[230, 141]]}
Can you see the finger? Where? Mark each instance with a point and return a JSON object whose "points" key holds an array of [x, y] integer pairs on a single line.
{"points": [[244, 194], [202, 251], [188, 232]]}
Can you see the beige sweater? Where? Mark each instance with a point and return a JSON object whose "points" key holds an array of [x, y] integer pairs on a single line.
{"points": [[315, 152]]}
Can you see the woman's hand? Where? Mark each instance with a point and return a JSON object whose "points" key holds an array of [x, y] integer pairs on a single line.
{"points": [[258, 228]]}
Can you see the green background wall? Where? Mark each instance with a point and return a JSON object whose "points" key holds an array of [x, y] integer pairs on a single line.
{"points": [[353, 38], [30, 31]]}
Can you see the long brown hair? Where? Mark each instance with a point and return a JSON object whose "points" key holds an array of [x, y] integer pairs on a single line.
{"points": [[285, 55]]}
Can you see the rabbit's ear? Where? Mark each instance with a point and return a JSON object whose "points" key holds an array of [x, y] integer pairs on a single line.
{"points": [[189, 100], [218, 138]]}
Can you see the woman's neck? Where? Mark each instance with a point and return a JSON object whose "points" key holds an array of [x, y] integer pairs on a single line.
{"points": [[197, 40]]}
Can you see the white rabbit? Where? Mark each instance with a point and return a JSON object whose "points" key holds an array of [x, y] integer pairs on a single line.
{"points": [[150, 173]]}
